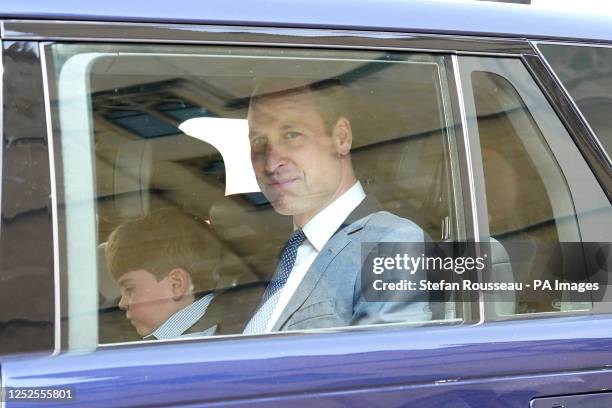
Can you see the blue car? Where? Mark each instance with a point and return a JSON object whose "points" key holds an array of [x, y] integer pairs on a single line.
{"points": [[397, 203]]}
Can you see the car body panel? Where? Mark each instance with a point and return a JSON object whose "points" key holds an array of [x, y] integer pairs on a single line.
{"points": [[473, 18], [430, 364], [498, 364]]}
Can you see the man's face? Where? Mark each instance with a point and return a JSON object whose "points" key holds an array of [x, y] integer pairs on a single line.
{"points": [[147, 302], [296, 161]]}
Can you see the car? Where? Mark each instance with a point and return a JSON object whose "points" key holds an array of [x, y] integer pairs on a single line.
{"points": [[481, 129]]}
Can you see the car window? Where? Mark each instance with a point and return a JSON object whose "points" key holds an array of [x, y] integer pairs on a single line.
{"points": [[168, 174], [167, 149], [586, 72], [27, 304], [532, 171]]}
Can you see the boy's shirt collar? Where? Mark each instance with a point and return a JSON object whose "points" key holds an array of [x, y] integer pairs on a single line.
{"points": [[182, 320]]}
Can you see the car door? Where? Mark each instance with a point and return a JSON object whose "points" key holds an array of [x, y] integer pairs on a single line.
{"points": [[468, 147]]}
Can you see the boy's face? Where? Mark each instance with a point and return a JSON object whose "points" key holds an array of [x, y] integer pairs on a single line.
{"points": [[147, 302]]}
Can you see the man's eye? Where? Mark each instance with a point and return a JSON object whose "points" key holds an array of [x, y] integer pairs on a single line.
{"points": [[256, 141], [292, 135], [259, 143]]}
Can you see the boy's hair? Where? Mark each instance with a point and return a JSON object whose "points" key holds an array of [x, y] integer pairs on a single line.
{"points": [[161, 241]]}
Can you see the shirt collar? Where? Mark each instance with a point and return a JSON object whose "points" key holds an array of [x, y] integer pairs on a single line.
{"points": [[182, 320], [323, 225]]}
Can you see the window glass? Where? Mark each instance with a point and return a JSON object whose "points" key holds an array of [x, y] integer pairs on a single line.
{"points": [[523, 181], [523, 184], [536, 214], [26, 244], [187, 169], [586, 73]]}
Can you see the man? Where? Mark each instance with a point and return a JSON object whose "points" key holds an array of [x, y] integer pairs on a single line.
{"points": [[300, 145]]}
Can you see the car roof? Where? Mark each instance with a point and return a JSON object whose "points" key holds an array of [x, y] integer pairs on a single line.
{"points": [[468, 17]]}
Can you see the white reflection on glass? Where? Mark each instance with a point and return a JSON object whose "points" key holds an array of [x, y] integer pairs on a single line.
{"points": [[231, 138]]}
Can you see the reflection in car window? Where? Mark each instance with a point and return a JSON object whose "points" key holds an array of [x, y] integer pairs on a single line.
{"points": [[586, 73], [26, 250]]}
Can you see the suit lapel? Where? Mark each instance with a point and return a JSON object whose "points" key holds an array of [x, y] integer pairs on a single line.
{"points": [[314, 273], [368, 206], [353, 223]]}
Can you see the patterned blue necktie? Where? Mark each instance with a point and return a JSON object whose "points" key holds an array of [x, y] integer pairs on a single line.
{"points": [[285, 264]]}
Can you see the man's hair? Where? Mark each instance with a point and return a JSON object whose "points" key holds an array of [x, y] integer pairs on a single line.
{"points": [[330, 96], [161, 241]]}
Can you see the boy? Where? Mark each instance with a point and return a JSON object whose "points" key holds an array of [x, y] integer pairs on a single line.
{"points": [[161, 262]]}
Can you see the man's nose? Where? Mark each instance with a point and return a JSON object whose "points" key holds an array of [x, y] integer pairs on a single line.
{"points": [[275, 157]]}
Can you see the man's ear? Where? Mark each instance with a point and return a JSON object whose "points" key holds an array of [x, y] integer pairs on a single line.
{"points": [[343, 136], [180, 282]]}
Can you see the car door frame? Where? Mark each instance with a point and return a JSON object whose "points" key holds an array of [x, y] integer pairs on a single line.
{"points": [[396, 365]]}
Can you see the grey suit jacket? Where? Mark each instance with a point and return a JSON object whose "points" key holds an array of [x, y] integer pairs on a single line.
{"points": [[330, 295]]}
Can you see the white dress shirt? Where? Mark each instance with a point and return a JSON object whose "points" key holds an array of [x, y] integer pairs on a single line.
{"points": [[318, 231]]}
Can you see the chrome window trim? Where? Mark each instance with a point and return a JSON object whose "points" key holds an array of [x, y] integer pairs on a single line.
{"points": [[575, 44], [470, 171], [453, 158], [410, 325], [468, 153], [54, 204], [263, 36], [569, 96]]}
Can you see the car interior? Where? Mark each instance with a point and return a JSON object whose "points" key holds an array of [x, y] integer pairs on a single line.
{"points": [[144, 162]]}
